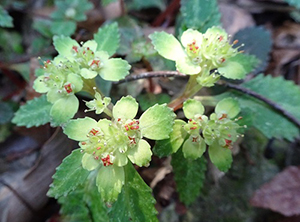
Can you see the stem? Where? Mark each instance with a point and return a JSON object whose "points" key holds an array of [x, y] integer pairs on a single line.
{"points": [[191, 89]]}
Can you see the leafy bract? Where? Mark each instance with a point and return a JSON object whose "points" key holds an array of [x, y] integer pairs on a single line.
{"points": [[265, 119], [35, 112], [135, 202], [63, 45], [68, 176], [228, 106], [115, 69], [125, 108], [141, 154], [192, 107], [78, 129], [5, 19], [189, 176], [166, 147], [110, 180], [108, 38], [238, 66], [192, 149], [167, 45], [157, 122], [221, 157]]}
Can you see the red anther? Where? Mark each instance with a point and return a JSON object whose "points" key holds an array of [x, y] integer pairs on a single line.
{"points": [[132, 127], [191, 48], [194, 123], [68, 88], [224, 115], [222, 60], [75, 49], [194, 42], [83, 143], [88, 48], [190, 120], [98, 148], [106, 161], [193, 128], [228, 142], [132, 140], [119, 119], [200, 117], [95, 62], [239, 118], [131, 123], [126, 127], [196, 47], [137, 127], [137, 122], [94, 153], [48, 61], [221, 38], [194, 139], [83, 52], [235, 42], [229, 135], [96, 158], [94, 131]]}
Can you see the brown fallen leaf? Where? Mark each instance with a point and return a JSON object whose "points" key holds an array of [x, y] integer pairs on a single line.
{"points": [[281, 194]]}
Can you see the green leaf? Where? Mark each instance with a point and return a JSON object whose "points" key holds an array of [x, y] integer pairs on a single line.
{"points": [[228, 106], [167, 46], [68, 176], [77, 129], [238, 66], [43, 27], [189, 176], [35, 112], [192, 107], [138, 198], [110, 180], [150, 99], [125, 108], [84, 204], [186, 66], [295, 3], [192, 149], [157, 122], [6, 20], [88, 162], [65, 28], [115, 69], [265, 119], [63, 45], [260, 48], [221, 157], [108, 38], [166, 147], [64, 109], [140, 154], [107, 2], [88, 74], [196, 13], [6, 112]]}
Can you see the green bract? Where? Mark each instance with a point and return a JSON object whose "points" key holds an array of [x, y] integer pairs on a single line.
{"points": [[109, 144]]}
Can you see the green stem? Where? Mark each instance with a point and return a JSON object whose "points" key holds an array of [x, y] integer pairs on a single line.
{"points": [[192, 87]]}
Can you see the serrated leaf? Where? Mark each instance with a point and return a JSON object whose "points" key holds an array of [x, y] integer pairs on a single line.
{"points": [[6, 20], [295, 3], [63, 45], [69, 174], [6, 112], [138, 198], [167, 45], [35, 112], [189, 176], [149, 99], [270, 122], [260, 48], [157, 122], [238, 66], [66, 28], [166, 147], [108, 38], [198, 12]]}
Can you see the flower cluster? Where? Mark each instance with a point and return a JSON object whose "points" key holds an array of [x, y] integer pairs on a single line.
{"points": [[108, 144], [71, 71], [198, 54]]}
